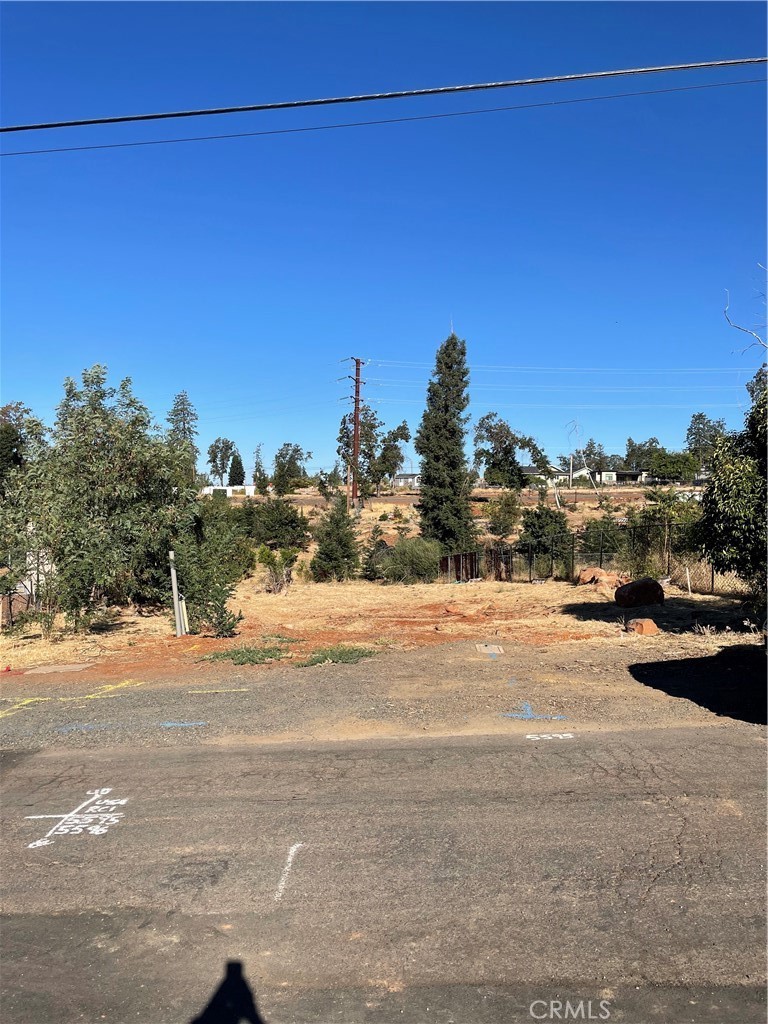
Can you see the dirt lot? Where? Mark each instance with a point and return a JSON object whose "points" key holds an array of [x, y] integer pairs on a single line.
{"points": [[390, 617]]}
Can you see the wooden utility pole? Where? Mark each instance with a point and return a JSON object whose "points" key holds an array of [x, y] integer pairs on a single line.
{"points": [[356, 435]]}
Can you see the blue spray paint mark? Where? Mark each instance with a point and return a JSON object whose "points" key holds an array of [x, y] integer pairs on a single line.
{"points": [[492, 654], [511, 682], [527, 714], [180, 725]]}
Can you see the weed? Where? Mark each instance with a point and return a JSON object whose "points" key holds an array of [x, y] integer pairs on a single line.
{"points": [[337, 655], [276, 638], [248, 655]]}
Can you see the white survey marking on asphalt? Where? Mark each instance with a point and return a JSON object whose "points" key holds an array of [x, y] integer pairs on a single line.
{"points": [[286, 871], [550, 736], [96, 821]]}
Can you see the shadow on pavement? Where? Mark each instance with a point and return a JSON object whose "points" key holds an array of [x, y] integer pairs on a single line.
{"points": [[232, 1002], [731, 682]]}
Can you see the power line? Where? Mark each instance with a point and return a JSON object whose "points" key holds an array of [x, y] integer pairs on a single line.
{"points": [[380, 383], [573, 369], [381, 121], [567, 405], [368, 97]]}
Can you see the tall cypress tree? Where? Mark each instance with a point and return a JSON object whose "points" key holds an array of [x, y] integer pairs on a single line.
{"points": [[444, 506], [236, 471]]}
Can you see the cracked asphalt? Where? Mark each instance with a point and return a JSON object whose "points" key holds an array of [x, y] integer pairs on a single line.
{"points": [[378, 843]]}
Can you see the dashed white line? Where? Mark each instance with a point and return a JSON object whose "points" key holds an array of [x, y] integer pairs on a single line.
{"points": [[286, 871]]}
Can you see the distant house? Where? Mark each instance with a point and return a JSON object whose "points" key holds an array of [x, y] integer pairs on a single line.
{"points": [[408, 481], [531, 473], [249, 490], [604, 476]]}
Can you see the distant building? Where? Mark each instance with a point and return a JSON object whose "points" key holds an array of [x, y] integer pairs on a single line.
{"points": [[408, 481]]}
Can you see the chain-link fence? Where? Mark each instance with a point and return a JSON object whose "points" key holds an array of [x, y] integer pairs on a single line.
{"points": [[669, 552]]}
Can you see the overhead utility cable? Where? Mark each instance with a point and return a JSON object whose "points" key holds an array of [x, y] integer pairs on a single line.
{"points": [[400, 94], [382, 121]]}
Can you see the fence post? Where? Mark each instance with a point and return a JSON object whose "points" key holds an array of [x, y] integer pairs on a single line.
{"points": [[530, 562], [573, 556], [713, 581], [601, 549], [552, 558]]}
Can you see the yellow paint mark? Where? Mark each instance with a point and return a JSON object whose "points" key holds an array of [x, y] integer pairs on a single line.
{"points": [[106, 690], [20, 705]]}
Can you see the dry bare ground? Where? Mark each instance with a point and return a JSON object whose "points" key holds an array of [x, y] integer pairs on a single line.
{"points": [[385, 617]]}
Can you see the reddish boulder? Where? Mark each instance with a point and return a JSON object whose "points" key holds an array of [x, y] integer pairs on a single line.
{"points": [[645, 627], [639, 593], [613, 579]]}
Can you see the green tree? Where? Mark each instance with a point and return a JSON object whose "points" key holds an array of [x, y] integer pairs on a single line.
{"points": [[545, 529], [678, 466], [219, 454], [503, 514], [337, 556], [390, 457], [236, 471], [733, 523], [370, 429], [182, 424], [701, 437], [10, 451], [444, 505], [496, 447], [97, 505], [289, 472], [603, 534], [274, 524], [639, 453], [260, 477]]}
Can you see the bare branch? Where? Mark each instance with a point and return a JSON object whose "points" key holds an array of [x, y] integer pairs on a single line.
{"points": [[758, 340]]}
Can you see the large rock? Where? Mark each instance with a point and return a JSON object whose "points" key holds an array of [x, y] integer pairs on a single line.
{"points": [[645, 627], [614, 579], [639, 593]]}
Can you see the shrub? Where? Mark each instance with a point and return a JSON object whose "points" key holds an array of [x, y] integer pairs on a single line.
{"points": [[337, 550], [275, 523], [338, 655], [208, 613], [413, 560], [279, 567], [248, 655], [503, 514]]}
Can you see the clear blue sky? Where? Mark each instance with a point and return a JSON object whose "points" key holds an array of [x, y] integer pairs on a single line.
{"points": [[596, 235]]}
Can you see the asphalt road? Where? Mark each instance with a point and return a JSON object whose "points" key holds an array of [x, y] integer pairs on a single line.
{"points": [[469, 880]]}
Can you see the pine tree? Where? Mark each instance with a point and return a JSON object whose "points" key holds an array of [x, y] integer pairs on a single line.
{"points": [[182, 421], [236, 471], [337, 555], [260, 478], [444, 506]]}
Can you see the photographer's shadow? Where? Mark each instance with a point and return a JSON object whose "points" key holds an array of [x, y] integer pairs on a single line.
{"points": [[232, 1002]]}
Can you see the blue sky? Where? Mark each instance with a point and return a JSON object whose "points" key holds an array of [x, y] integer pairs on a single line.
{"points": [[583, 248]]}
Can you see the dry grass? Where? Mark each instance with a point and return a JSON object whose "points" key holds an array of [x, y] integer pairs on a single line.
{"points": [[404, 618]]}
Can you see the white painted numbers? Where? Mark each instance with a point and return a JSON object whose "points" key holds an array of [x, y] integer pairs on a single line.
{"points": [[95, 816], [550, 736]]}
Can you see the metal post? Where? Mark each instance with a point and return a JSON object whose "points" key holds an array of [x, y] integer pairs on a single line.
{"points": [[530, 563], [601, 549], [175, 589], [573, 556], [713, 580]]}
